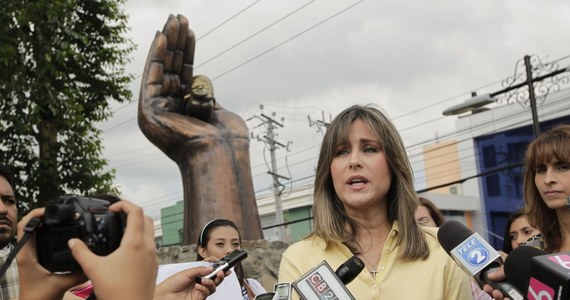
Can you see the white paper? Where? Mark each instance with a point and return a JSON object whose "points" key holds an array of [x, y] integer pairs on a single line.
{"points": [[228, 289]]}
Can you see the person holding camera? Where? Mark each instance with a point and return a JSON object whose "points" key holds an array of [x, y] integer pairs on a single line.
{"points": [[129, 272]]}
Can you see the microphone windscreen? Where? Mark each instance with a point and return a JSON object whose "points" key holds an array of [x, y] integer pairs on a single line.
{"points": [[451, 234], [350, 269], [517, 266]]}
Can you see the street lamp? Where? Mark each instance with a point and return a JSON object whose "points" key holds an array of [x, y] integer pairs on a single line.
{"points": [[512, 88]]}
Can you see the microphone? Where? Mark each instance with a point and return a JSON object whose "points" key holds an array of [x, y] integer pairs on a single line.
{"points": [[474, 255], [541, 276], [322, 283], [349, 269]]}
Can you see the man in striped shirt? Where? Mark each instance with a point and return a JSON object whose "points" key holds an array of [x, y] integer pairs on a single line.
{"points": [[9, 287]]}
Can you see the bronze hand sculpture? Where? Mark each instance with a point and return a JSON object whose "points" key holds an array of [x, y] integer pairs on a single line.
{"points": [[179, 114]]}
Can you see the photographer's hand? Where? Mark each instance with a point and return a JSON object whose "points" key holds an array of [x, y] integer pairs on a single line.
{"points": [[182, 286], [130, 271], [35, 281]]}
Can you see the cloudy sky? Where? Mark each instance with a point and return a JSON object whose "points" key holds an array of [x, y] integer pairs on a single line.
{"points": [[301, 58]]}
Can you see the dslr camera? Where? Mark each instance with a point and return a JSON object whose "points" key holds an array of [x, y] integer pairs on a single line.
{"points": [[85, 218]]}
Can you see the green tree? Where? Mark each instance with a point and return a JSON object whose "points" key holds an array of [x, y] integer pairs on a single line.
{"points": [[62, 63]]}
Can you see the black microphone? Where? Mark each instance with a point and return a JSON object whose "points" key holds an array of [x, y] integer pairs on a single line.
{"points": [[539, 275], [474, 255], [322, 283], [517, 266], [349, 269]]}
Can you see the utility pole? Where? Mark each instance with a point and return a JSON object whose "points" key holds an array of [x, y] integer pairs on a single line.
{"points": [[270, 139], [320, 125]]}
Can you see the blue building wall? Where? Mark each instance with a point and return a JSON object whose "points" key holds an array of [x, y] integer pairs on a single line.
{"points": [[502, 190]]}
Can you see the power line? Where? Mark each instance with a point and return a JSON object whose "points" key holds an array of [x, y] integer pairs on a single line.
{"points": [[255, 34], [443, 101], [286, 41], [119, 125], [227, 20]]}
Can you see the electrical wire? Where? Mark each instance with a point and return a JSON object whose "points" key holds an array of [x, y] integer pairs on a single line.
{"points": [[286, 41]]}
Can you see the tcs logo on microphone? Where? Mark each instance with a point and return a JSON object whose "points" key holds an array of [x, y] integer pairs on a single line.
{"points": [[321, 288], [474, 252]]}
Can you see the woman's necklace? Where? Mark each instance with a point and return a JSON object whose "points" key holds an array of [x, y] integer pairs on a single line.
{"points": [[373, 270], [371, 246]]}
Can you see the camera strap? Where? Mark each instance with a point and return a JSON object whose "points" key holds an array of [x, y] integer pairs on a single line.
{"points": [[28, 230]]}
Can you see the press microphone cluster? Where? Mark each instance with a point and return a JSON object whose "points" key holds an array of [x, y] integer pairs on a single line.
{"points": [[322, 283], [539, 275], [474, 255]]}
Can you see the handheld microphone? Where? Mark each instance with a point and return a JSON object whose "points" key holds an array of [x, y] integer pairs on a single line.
{"points": [[322, 283], [474, 255], [539, 275], [349, 269]]}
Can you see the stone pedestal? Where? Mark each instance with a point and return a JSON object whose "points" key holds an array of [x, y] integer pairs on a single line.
{"points": [[262, 262]]}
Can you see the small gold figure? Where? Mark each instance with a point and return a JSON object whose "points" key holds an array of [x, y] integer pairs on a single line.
{"points": [[200, 101]]}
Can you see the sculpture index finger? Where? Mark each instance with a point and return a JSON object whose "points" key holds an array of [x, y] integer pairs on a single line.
{"points": [[179, 58], [153, 76], [185, 47], [171, 31]]}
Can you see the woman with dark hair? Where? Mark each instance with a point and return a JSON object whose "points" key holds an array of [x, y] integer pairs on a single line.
{"points": [[427, 214], [546, 187], [218, 238], [518, 231], [364, 204]]}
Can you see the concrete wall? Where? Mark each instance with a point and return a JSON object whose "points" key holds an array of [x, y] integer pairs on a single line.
{"points": [[441, 165]]}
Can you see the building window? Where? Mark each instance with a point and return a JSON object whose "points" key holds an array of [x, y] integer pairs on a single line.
{"points": [[489, 157], [493, 185]]}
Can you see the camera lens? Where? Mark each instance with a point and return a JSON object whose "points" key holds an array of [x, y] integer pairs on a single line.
{"points": [[58, 214]]}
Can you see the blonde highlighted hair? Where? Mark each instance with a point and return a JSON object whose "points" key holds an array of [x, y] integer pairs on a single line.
{"points": [[331, 220]]}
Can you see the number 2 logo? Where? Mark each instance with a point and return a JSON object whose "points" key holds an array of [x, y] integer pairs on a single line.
{"points": [[478, 256]]}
